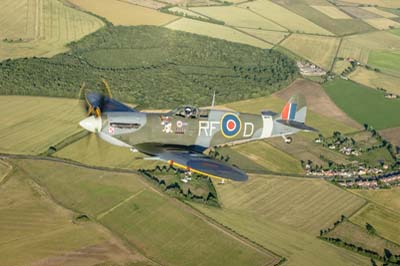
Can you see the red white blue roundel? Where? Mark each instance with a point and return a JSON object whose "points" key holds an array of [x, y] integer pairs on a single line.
{"points": [[230, 125]]}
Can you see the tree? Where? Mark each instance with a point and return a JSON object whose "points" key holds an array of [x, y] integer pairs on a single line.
{"points": [[371, 230]]}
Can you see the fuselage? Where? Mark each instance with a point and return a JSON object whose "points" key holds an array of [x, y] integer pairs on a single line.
{"points": [[205, 128]]}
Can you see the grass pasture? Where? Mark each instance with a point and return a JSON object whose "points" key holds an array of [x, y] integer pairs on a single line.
{"points": [[123, 13], [386, 61], [238, 17], [359, 46], [317, 49], [359, 236], [385, 221], [31, 226], [285, 215], [216, 31], [159, 227], [346, 93], [284, 17], [49, 25], [332, 12], [41, 123], [376, 80], [382, 23]]}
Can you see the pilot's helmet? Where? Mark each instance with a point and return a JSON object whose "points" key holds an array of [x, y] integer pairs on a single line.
{"points": [[188, 110]]}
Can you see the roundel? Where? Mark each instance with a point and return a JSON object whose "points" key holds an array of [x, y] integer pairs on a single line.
{"points": [[230, 125]]}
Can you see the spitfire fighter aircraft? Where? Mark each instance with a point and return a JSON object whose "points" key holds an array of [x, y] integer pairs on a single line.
{"points": [[180, 136]]}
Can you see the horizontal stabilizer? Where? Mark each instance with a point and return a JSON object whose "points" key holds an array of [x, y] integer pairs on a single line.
{"points": [[295, 124], [268, 113]]}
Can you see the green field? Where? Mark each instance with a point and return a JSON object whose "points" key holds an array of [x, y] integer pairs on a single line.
{"points": [[41, 28], [371, 108], [317, 49], [138, 61], [385, 221], [30, 125], [360, 237], [386, 61], [158, 226], [285, 215], [31, 226], [284, 17], [389, 198]]}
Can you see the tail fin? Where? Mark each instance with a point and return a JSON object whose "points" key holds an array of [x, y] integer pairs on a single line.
{"points": [[295, 109]]}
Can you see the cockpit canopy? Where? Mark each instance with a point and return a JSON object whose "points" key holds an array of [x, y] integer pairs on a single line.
{"points": [[189, 111]]}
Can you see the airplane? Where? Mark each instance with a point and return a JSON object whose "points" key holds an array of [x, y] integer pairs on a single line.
{"points": [[181, 136]]}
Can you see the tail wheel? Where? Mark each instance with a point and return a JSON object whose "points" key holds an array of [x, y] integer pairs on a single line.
{"points": [[288, 140]]}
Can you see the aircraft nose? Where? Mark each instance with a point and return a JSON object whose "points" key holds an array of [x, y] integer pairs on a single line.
{"points": [[91, 123]]}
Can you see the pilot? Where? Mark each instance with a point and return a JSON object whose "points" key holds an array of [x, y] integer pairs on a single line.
{"points": [[188, 111]]}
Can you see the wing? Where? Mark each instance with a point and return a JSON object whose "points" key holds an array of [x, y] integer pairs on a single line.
{"points": [[185, 158]]}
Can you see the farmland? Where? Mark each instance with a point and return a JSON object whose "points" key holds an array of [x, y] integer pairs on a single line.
{"points": [[345, 93], [43, 28], [284, 17], [376, 80], [391, 134], [332, 12], [216, 31], [238, 17], [379, 12], [31, 226], [146, 58], [336, 26], [385, 221], [359, 46], [272, 37], [93, 151], [385, 61], [159, 227], [317, 49], [360, 237], [382, 23], [292, 211], [389, 198], [41, 123], [383, 3], [123, 13]]}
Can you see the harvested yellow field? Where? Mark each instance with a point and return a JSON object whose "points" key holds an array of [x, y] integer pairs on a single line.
{"points": [[44, 27], [332, 11], [317, 49], [379, 12], [383, 3], [30, 125], [376, 80], [122, 13], [238, 17], [382, 23], [359, 46], [285, 215], [284, 17], [216, 31], [268, 36]]}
